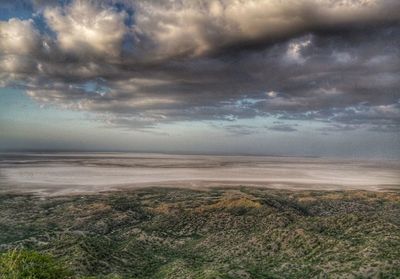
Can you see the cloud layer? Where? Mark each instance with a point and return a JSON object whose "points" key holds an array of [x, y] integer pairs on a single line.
{"points": [[142, 63]]}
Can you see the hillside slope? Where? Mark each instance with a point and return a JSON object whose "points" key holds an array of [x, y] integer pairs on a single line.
{"points": [[217, 233]]}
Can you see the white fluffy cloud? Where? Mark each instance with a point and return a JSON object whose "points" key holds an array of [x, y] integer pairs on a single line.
{"points": [[18, 37], [19, 44], [84, 28]]}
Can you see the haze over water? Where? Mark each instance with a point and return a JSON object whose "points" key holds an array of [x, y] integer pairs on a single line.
{"points": [[65, 173]]}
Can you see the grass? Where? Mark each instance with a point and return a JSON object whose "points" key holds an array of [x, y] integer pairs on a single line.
{"points": [[25, 264]]}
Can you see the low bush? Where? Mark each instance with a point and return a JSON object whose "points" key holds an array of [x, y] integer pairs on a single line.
{"points": [[24, 264]]}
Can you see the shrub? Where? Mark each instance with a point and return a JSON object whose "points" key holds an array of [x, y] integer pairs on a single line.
{"points": [[24, 264]]}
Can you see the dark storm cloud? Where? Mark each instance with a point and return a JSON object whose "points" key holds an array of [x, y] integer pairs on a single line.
{"points": [[140, 63]]}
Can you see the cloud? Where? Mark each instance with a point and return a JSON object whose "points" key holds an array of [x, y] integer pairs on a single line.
{"points": [[141, 63], [293, 53], [241, 130], [196, 27], [281, 127], [18, 37], [83, 28]]}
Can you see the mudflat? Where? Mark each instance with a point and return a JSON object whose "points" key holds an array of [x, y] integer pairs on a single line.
{"points": [[78, 173]]}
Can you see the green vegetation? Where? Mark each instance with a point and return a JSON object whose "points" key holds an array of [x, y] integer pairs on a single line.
{"points": [[21, 264], [216, 233]]}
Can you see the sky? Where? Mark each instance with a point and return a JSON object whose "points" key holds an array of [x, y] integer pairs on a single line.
{"points": [[262, 77]]}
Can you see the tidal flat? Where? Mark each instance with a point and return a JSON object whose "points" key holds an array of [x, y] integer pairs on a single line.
{"points": [[76, 173]]}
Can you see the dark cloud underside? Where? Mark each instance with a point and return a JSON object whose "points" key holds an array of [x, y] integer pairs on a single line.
{"points": [[141, 63]]}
